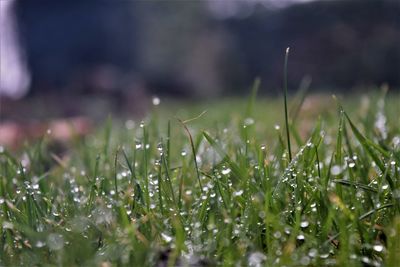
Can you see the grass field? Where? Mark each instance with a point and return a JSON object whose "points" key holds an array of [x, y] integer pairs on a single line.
{"points": [[191, 188]]}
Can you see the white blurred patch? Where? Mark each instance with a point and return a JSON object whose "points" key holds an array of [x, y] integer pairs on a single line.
{"points": [[14, 75]]}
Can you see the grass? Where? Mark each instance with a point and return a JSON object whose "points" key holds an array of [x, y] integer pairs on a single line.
{"points": [[219, 189]]}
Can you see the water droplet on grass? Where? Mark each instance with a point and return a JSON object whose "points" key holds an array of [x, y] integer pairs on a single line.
{"points": [[160, 147], [40, 244], [226, 171], [336, 170], [129, 124], [324, 256], [305, 261], [256, 259], [227, 220], [55, 241], [277, 235], [304, 224], [248, 121], [238, 193], [300, 237], [313, 253], [166, 237], [365, 260], [378, 248], [156, 101], [353, 256], [138, 145]]}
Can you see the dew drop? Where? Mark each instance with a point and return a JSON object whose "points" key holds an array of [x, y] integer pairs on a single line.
{"points": [[248, 121], [40, 244], [336, 170], [159, 147], [156, 101], [305, 261], [365, 260], [378, 248], [138, 145], [238, 193], [226, 171], [277, 235], [129, 124], [300, 237], [324, 256], [227, 220], [304, 224], [256, 259], [312, 253], [55, 241], [166, 237]]}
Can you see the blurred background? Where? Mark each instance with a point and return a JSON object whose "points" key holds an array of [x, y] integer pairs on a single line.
{"points": [[67, 58]]}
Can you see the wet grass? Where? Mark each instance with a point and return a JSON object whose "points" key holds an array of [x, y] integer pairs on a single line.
{"points": [[216, 189]]}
